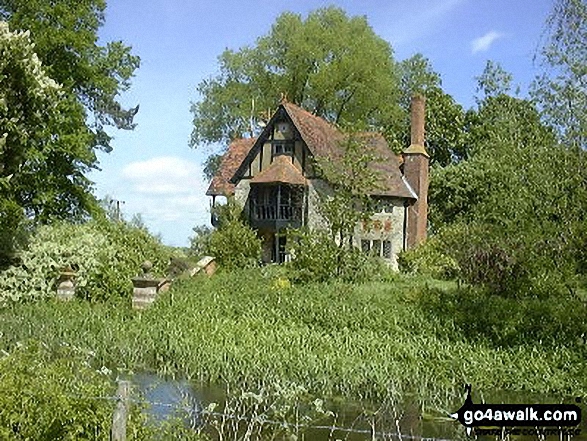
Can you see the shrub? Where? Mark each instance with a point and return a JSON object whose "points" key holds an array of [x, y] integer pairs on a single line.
{"points": [[511, 262], [12, 230], [480, 315], [429, 259], [317, 258], [47, 397], [234, 244], [106, 256]]}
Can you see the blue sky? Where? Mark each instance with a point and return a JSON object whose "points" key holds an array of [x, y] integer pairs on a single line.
{"points": [[153, 170]]}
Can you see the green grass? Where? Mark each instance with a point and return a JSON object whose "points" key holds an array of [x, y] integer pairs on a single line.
{"points": [[361, 341]]}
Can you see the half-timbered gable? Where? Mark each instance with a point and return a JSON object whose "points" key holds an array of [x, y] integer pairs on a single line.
{"points": [[273, 178]]}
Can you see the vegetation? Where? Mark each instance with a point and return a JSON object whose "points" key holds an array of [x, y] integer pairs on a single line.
{"points": [[59, 89], [359, 341], [58, 393], [234, 244], [298, 54], [561, 88], [105, 256], [91, 76]]}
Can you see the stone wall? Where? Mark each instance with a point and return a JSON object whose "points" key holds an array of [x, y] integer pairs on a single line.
{"points": [[386, 229]]}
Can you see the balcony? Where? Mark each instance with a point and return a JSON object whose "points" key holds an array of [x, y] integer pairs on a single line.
{"points": [[275, 216]]}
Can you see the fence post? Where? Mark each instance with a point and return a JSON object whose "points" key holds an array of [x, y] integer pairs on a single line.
{"points": [[118, 432]]}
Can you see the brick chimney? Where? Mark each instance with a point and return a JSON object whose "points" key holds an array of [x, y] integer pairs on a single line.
{"points": [[416, 163]]}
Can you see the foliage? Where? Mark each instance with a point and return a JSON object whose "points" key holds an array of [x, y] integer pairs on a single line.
{"points": [[234, 244], [42, 156], [105, 255], [199, 241], [92, 76], [494, 81], [429, 259], [317, 258], [359, 341], [12, 230], [508, 322], [328, 63], [512, 210], [561, 90], [350, 178], [44, 396]]}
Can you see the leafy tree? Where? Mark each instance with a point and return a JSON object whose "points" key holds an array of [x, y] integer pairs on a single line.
{"points": [[330, 64], [494, 81], [43, 155], [65, 34], [444, 117], [561, 90], [511, 215]]}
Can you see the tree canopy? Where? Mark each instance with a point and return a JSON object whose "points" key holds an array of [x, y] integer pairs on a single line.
{"points": [[58, 93], [328, 63], [561, 90], [43, 153], [65, 34]]}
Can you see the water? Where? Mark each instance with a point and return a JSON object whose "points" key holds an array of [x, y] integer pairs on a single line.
{"points": [[405, 420]]}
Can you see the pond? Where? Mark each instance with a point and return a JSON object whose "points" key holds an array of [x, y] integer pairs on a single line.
{"points": [[352, 420]]}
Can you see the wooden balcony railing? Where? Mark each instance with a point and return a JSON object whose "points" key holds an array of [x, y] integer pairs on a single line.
{"points": [[273, 212]]}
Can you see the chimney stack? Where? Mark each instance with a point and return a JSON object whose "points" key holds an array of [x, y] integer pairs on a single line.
{"points": [[417, 117], [416, 163]]}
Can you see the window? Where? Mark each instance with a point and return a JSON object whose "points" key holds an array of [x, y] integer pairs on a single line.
{"points": [[386, 249], [282, 147], [377, 248], [365, 245]]}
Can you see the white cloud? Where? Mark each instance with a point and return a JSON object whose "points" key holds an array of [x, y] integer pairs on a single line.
{"points": [[169, 192], [483, 43], [415, 19]]}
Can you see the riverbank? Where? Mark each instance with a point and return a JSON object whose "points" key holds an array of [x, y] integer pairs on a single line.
{"points": [[371, 341]]}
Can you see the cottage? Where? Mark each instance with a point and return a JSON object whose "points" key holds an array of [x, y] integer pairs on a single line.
{"points": [[273, 177]]}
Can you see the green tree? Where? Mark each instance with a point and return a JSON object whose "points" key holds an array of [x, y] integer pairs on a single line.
{"points": [[512, 214], [332, 65], [561, 90], [43, 153], [351, 178], [234, 244], [65, 34], [494, 81]]}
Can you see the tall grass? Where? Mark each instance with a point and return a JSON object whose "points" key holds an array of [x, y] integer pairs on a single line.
{"points": [[246, 328]]}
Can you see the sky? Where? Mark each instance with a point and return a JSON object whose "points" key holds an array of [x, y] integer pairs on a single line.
{"points": [[152, 169]]}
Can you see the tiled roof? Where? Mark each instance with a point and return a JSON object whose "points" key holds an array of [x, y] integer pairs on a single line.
{"points": [[321, 137], [281, 170], [237, 151], [323, 140], [386, 164]]}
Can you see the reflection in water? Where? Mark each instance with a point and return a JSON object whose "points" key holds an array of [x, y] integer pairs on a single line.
{"points": [[397, 420]]}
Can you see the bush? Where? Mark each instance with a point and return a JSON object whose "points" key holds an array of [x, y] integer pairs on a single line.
{"points": [[511, 262], [12, 230], [317, 258], [47, 397], [105, 256], [480, 315], [234, 244], [429, 259]]}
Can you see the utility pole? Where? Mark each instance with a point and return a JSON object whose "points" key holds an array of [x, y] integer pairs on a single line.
{"points": [[117, 212]]}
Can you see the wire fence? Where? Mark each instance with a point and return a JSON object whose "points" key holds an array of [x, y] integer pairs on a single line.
{"points": [[199, 417]]}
